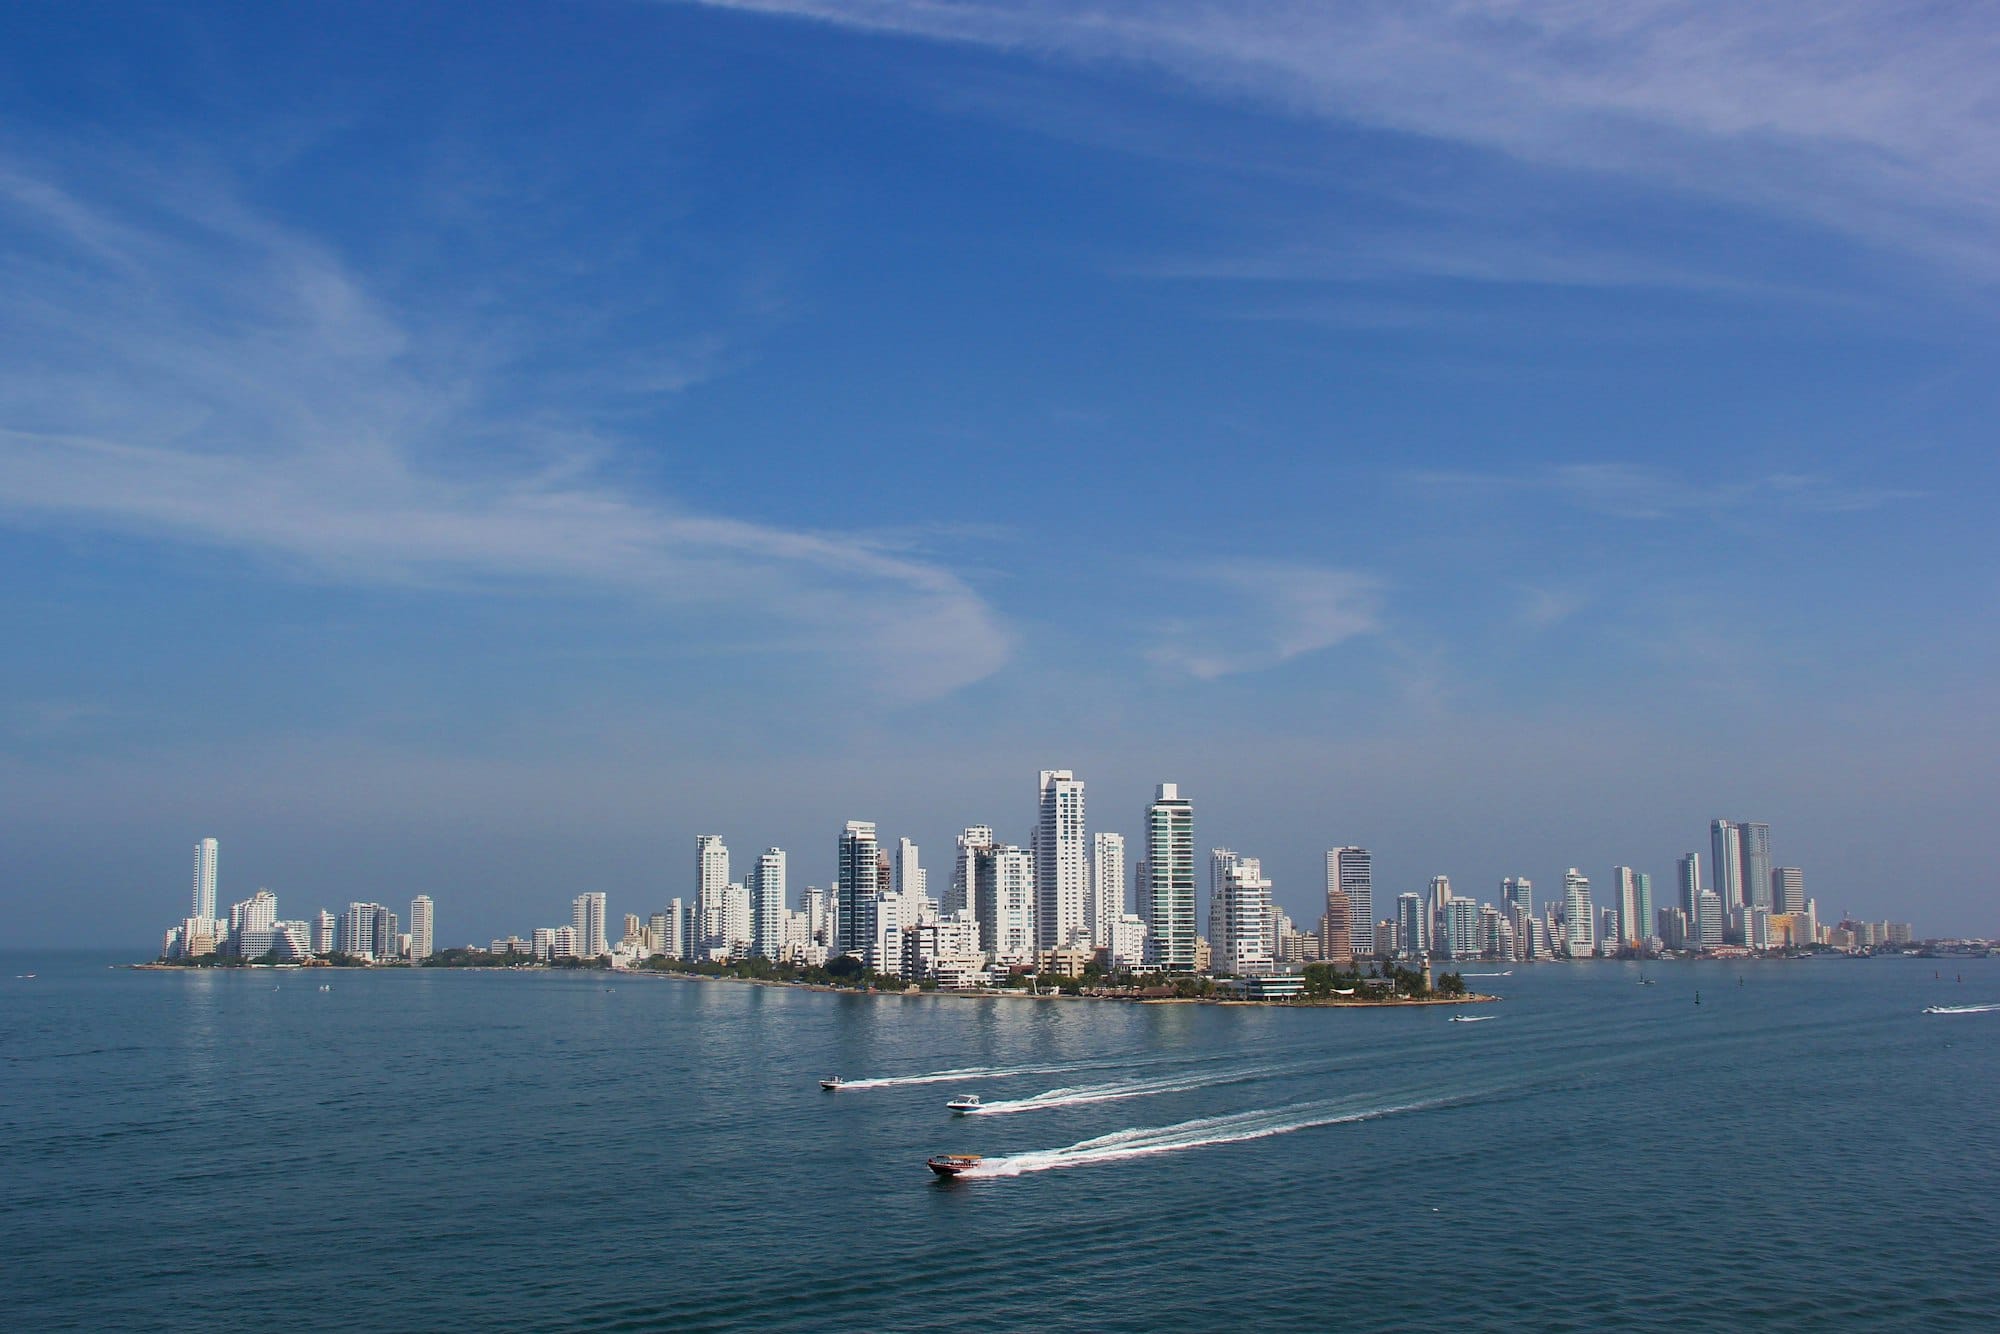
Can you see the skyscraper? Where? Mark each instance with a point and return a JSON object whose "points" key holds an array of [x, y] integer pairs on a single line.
{"points": [[1788, 889], [586, 916], [912, 881], [959, 897], [1168, 889], [1107, 887], [1517, 892], [1690, 882], [1725, 845], [1434, 907], [1003, 898], [1062, 865], [1579, 916], [1635, 907], [1351, 869], [859, 872], [422, 928], [1461, 929], [204, 880], [1755, 839], [1336, 925], [1708, 919], [767, 905], [1240, 917], [356, 935], [1412, 932], [711, 891]]}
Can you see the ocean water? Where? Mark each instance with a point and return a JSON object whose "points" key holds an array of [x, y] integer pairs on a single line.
{"points": [[422, 1150]]}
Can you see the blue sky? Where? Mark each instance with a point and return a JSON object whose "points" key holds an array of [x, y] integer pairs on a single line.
{"points": [[473, 450]]}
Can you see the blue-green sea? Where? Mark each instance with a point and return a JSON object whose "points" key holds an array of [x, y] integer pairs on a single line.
{"points": [[422, 1150]]}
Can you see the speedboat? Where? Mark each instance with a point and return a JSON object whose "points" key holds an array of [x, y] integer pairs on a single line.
{"points": [[830, 1083], [1470, 1018], [964, 1102], [952, 1164]]}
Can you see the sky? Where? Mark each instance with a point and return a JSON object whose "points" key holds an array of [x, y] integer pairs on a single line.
{"points": [[473, 450]]}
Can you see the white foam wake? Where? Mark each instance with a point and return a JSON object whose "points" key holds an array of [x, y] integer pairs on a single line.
{"points": [[1094, 1093], [1207, 1132], [1961, 1009], [967, 1073]]}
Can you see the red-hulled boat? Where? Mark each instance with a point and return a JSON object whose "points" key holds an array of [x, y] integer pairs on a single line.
{"points": [[952, 1164]]}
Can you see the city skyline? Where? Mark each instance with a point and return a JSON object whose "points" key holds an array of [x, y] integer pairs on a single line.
{"points": [[1000, 899], [712, 419]]}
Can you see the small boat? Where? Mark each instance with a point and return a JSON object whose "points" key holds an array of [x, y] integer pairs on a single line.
{"points": [[1339, 992], [952, 1164], [1470, 1018], [964, 1102], [830, 1083]]}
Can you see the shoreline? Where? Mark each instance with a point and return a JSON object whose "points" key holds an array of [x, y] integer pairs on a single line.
{"points": [[1297, 1003]]}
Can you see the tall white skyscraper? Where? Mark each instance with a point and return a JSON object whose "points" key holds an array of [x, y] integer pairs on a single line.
{"points": [[1107, 887], [204, 880], [767, 905], [1062, 862], [422, 928], [1725, 845], [711, 895], [586, 917], [1635, 907], [912, 881], [1755, 839], [1240, 917], [860, 874], [1004, 902], [1352, 870], [959, 897], [1579, 915], [1168, 887], [1219, 862]]}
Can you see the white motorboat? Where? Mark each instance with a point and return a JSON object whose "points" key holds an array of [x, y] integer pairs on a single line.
{"points": [[830, 1083], [964, 1102], [1470, 1018]]}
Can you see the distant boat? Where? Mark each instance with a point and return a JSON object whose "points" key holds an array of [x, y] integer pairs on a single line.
{"points": [[952, 1164], [830, 1083], [1338, 992], [1961, 1009], [964, 1102], [1470, 1018]]}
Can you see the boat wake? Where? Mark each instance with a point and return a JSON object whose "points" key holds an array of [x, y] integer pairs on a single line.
{"points": [[1204, 1133], [952, 1076], [1961, 1009], [972, 1072], [1093, 1093]]}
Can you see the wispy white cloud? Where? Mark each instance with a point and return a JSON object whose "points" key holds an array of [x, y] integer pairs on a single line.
{"points": [[1874, 118], [1636, 491], [188, 371], [1265, 613]]}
